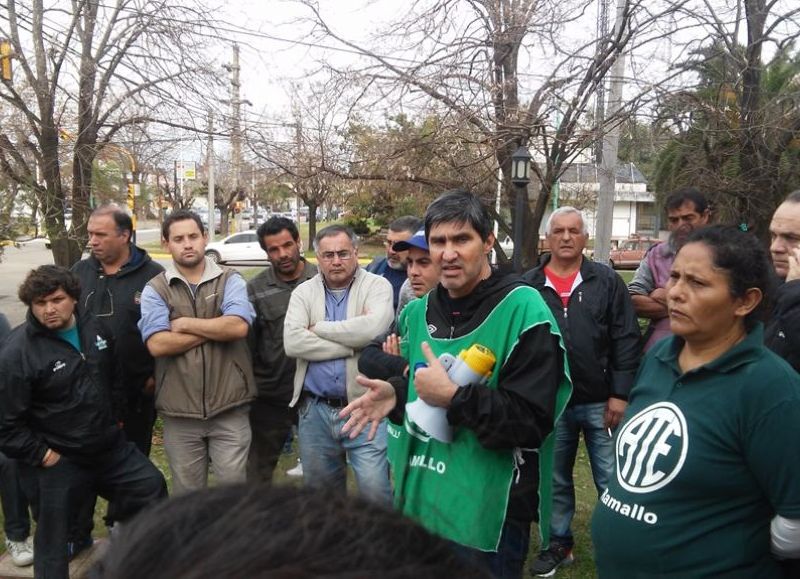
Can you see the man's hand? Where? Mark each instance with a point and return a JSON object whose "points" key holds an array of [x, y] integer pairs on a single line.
{"points": [[392, 345], [660, 295], [51, 457], [149, 387], [369, 408], [432, 384], [180, 325], [615, 411], [794, 264]]}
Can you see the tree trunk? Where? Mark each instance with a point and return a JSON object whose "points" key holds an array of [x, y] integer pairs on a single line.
{"points": [[312, 222]]}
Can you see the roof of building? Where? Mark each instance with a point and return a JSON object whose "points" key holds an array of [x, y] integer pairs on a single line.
{"points": [[588, 173]]}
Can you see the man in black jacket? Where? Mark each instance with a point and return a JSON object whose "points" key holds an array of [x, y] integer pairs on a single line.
{"points": [[112, 279], [599, 325], [57, 418], [782, 334], [481, 488]]}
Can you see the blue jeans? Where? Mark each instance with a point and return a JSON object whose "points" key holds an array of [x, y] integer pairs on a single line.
{"points": [[586, 418], [323, 447]]}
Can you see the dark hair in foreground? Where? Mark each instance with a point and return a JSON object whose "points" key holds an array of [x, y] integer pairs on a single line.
{"points": [[254, 531], [180, 215], [690, 194], [122, 221], [744, 260], [459, 206], [47, 279], [273, 226]]}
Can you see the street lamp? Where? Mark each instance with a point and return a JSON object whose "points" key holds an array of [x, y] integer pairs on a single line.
{"points": [[520, 177]]}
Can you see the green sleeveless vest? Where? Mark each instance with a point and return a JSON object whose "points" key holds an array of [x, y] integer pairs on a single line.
{"points": [[460, 490]]}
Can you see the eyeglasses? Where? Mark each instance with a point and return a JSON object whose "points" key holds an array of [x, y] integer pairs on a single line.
{"points": [[343, 255]]}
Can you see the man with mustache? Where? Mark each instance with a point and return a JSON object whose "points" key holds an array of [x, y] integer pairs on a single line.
{"points": [[381, 359], [687, 210], [393, 266], [271, 417], [195, 320], [594, 311], [330, 319]]}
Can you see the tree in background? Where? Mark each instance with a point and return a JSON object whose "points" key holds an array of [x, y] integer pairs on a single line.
{"points": [[463, 60], [92, 71], [737, 131]]}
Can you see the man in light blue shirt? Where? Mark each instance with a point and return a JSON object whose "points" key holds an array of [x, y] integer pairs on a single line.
{"points": [[330, 319], [195, 319]]}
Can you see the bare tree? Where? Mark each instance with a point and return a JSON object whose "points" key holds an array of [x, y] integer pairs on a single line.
{"points": [[94, 69], [472, 62]]}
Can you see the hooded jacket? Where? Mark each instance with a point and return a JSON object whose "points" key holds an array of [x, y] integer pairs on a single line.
{"points": [[115, 300], [53, 396], [520, 413]]}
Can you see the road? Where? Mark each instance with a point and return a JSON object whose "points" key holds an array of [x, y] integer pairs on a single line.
{"points": [[17, 262]]}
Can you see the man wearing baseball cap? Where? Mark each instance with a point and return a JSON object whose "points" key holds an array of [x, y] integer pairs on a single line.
{"points": [[381, 358]]}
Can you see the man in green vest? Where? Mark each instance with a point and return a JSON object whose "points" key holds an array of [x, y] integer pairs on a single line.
{"points": [[469, 434]]}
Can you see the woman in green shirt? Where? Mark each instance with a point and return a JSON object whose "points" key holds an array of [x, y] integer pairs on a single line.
{"points": [[707, 477]]}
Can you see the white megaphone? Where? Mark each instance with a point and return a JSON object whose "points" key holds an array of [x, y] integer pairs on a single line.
{"points": [[473, 366]]}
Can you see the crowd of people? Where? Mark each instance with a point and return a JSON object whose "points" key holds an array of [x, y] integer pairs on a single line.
{"points": [[455, 392]]}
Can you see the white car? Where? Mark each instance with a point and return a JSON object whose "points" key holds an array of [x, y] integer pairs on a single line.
{"points": [[238, 247]]}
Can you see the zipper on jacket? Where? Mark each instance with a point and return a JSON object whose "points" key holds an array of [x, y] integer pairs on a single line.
{"points": [[452, 331], [202, 349]]}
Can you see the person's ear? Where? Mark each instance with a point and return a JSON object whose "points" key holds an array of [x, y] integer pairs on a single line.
{"points": [[752, 297]]}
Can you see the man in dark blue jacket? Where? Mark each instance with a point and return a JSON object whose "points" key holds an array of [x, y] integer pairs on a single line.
{"points": [[58, 408], [595, 314], [393, 266]]}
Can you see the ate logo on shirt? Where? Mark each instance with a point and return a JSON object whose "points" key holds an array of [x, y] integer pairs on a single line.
{"points": [[651, 448]]}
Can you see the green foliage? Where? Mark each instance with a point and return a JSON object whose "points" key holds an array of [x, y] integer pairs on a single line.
{"points": [[736, 152], [359, 225]]}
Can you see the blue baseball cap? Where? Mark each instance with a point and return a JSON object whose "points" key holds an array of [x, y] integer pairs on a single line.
{"points": [[417, 240]]}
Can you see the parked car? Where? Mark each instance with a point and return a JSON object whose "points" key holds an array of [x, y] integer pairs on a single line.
{"points": [[237, 248], [630, 252]]}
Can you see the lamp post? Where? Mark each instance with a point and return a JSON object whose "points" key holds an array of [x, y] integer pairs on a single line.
{"points": [[520, 177]]}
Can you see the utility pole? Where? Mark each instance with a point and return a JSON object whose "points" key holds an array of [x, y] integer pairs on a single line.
{"points": [[607, 174], [210, 168], [236, 124], [600, 93], [236, 119]]}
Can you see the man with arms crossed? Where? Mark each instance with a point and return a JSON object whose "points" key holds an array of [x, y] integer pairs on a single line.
{"points": [[271, 417], [594, 311], [195, 320], [687, 210], [330, 319], [481, 489]]}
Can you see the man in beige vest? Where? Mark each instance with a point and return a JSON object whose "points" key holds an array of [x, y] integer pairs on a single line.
{"points": [[195, 319]]}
